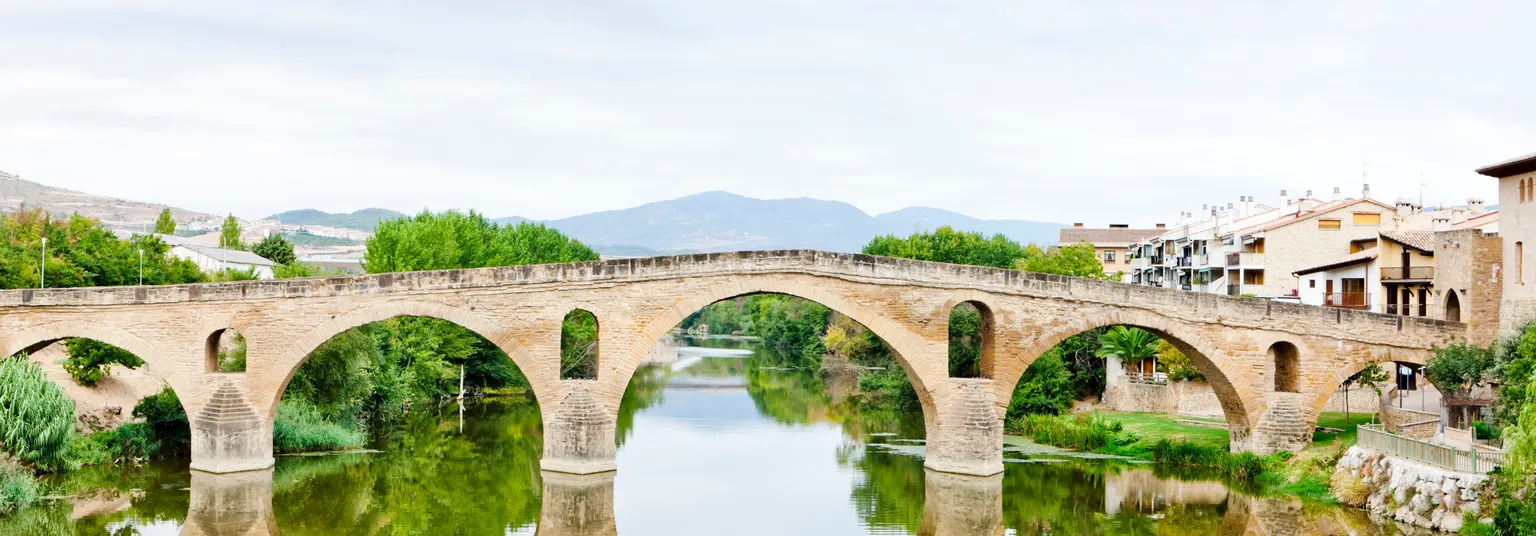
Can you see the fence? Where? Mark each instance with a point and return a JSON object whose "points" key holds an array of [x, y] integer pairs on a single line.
{"points": [[1466, 461], [1156, 378]]}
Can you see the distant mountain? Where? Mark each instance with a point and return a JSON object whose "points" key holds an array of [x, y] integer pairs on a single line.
{"points": [[722, 221], [16, 193], [362, 220]]}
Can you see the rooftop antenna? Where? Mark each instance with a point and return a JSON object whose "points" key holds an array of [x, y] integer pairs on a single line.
{"points": [[1421, 188]]}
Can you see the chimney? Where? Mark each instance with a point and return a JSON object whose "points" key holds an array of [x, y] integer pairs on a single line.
{"points": [[1475, 204], [1306, 205], [1077, 226], [1308, 196], [1336, 194], [1285, 200], [1365, 193], [1162, 226], [1441, 223], [1404, 207]]}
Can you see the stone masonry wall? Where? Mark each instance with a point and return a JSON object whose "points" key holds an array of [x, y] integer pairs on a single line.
{"points": [[1468, 263], [1176, 397], [637, 301], [1409, 491]]}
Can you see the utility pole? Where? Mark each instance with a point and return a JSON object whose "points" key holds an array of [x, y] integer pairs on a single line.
{"points": [[141, 267], [42, 273]]}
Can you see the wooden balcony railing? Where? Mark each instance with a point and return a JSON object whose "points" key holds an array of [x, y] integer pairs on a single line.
{"points": [[1399, 273], [1351, 300]]}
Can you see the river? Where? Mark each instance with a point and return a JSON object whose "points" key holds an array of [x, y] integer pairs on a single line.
{"points": [[713, 439]]}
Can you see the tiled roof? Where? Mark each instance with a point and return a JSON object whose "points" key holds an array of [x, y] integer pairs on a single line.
{"points": [[1114, 237], [1420, 240], [1480, 220], [1353, 258], [1511, 167], [1318, 211]]}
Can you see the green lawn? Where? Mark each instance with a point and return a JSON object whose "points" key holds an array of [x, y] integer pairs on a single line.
{"points": [[1154, 426]]}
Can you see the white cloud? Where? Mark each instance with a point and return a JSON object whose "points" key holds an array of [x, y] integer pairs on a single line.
{"points": [[1046, 110]]}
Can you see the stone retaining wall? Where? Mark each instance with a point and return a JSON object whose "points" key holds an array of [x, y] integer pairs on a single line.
{"points": [[1409, 491], [1177, 397]]}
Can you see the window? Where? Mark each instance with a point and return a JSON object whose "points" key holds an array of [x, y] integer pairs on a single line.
{"points": [[579, 345], [1367, 218], [970, 342], [1253, 277], [1109, 256], [1312, 283], [1522, 190], [1328, 224]]}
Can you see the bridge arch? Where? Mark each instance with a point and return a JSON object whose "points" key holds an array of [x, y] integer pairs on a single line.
{"points": [[1374, 358], [286, 364], [43, 335], [904, 343], [1224, 373]]}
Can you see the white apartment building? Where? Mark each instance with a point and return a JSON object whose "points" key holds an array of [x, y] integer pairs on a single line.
{"points": [[1251, 249]]}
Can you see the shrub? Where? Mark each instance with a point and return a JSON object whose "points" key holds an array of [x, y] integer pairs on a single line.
{"points": [[299, 428], [165, 421], [1481, 430], [134, 442], [18, 488], [1245, 466], [36, 418], [1085, 432], [1349, 489], [89, 360]]}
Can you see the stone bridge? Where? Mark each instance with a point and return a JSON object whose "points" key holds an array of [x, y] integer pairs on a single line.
{"points": [[1273, 365]]}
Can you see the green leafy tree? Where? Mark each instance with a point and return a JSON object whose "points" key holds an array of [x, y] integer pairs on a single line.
{"points": [[965, 341], [304, 269], [1076, 260], [945, 244], [1128, 343], [165, 224], [1370, 377], [1045, 388], [1458, 368], [89, 360], [229, 234], [1180, 366], [275, 248], [578, 345], [82, 253]]}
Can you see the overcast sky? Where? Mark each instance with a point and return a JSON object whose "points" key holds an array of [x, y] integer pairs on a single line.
{"points": [[1059, 111]]}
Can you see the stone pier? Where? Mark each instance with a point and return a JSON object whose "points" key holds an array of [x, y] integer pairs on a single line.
{"points": [[961, 505], [235, 504], [577, 505]]}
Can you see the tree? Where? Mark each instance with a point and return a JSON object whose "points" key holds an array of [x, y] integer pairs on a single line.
{"points": [[1370, 377], [83, 253], [275, 248], [1076, 260], [945, 244], [1180, 366], [1456, 369], [165, 224], [1128, 343], [90, 360], [229, 234]]}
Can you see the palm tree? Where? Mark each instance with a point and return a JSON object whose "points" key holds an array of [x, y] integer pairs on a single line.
{"points": [[1127, 343]]}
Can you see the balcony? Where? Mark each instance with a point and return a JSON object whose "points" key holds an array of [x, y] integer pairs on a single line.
{"points": [[1139, 263], [1157, 260], [1410, 309], [1348, 300], [1410, 273], [1202, 260], [1245, 259], [1183, 262]]}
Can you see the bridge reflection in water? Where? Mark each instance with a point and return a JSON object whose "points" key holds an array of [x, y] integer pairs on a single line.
{"points": [[960, 505]]}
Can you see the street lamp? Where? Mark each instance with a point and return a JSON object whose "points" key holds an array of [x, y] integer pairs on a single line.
{"points": [[141, 267], [42, 274]]}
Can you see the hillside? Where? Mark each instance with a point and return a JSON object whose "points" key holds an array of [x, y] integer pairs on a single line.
{"points": [[16, 192], [361, 220], [722, 221]]}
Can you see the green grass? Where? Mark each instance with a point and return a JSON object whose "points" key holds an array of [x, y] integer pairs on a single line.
{"points": [[1151, 427], [1336, 420]]}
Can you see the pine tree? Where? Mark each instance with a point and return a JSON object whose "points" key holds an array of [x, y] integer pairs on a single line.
{"points": [[165, 224]]}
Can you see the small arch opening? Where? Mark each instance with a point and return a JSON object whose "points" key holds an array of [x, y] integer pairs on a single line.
{"points": [[1452, 307], [970, 340], [225, 351], [579, 345], [1287, 361]]}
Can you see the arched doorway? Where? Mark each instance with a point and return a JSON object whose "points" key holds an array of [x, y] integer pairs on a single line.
{"points": [[1452, 306]]}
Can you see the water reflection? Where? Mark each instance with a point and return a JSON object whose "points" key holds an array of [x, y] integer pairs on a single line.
{"points": [[734, 444]]}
